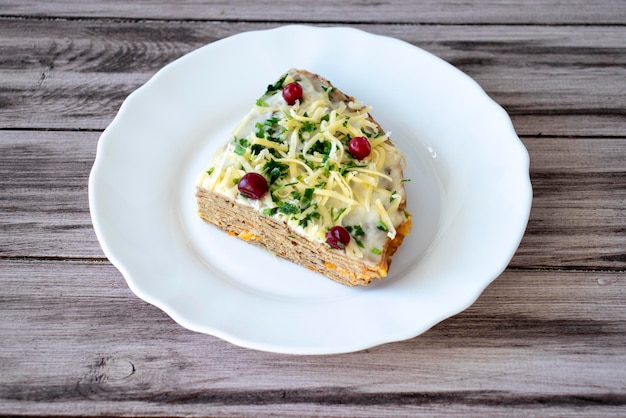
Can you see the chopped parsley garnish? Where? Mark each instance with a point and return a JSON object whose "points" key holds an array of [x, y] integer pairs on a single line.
{"points": [[256, 149], [282, 186], [369, 133], [323, 147], [273, 88], [308, 126], [288, 208], [269, 130], [269, 211], [240, 148], [309, 163], [343, 170], [308, 218], [260, 130], [305, 200], [355, 230], [357, 233], [336, 213], [274, 170], [328, 89], [375, 251], [381, 225], [210, 171]]}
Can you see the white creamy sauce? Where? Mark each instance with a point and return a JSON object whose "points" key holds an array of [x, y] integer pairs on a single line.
{"points": [[319, 184]]}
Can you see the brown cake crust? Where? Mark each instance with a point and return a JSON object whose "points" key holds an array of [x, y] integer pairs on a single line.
{"points": [[276, 236]]}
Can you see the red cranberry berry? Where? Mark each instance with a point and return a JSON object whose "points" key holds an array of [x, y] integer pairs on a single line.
{"points": [[252, 185], [338, 237], [292, 92], [359, 147]]}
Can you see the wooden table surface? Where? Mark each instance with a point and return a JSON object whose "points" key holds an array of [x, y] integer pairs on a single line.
{"points": [[546, 338]]}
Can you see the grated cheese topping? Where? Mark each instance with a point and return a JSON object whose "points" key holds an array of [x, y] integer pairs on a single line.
{"points": [[314, 182]]}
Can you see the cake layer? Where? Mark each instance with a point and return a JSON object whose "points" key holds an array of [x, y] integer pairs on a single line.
{"points": [[275, 236]]}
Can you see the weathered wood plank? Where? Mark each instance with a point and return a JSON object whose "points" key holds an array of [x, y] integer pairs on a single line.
{"points": [[43, 194], [75, 74], [545, 339], [326, 11], [577, 221], [74, 340], [579, 203]]}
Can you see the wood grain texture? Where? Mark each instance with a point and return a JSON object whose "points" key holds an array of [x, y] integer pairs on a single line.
{"points": [[540, 341], [545, 339], [75, 74], [43, 194], [579, 189], [327, 11], [578, 217]]}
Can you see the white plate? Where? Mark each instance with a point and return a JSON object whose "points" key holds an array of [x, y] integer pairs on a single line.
{"points": [[469, 192]]}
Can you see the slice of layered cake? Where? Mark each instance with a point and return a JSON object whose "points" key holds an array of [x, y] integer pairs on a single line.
{"points": [[310, 176]]}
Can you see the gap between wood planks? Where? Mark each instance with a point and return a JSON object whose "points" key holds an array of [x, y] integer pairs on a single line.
{"points": [[291, 21], [104, 261]]}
